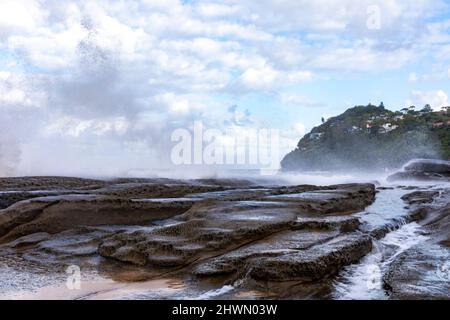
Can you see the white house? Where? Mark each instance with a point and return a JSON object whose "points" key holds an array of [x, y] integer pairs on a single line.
{"points": [[388, 127]]}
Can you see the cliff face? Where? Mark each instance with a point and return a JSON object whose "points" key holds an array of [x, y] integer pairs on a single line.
{"points": [[371, 137]]}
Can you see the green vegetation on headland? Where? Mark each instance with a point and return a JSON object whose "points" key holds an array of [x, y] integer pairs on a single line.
{"points": [[372, 137]]}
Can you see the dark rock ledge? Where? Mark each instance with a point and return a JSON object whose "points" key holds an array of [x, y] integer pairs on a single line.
{"points": [[201, 229]]}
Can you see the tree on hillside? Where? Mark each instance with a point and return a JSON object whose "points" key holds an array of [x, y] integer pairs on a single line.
{"points": [[404, 110], [411, 110], [427, 108]]}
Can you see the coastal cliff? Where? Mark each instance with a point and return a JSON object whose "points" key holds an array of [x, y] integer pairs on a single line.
{"points": [[372, 137]]}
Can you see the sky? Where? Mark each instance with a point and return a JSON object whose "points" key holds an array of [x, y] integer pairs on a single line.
{"points": [[97, 87]]}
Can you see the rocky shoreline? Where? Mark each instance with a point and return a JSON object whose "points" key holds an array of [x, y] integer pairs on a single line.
{"points": [[214, 238], [423, 271]]}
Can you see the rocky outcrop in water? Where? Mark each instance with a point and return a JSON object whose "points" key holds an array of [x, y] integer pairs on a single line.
{"points": [[424, 170]]}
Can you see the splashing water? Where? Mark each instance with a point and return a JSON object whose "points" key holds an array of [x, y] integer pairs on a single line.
{"points": [[364, 280]]}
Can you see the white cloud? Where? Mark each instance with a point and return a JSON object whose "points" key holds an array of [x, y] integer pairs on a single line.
{"points": [[74, 127], [362, 58], [412, 77], [297, 99], [20, 16], [436, 99], [290, 137], [268, 78], [178, 105], [336, 15], [18, 92], [116, 73], [216, 10], [259, 78], [299, 129]]}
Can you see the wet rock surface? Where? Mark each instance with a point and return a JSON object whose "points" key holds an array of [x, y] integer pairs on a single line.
{"points": [[215, 226], [261, 239], [436, 166], [426, 170], [54, 214], [423, 271]]}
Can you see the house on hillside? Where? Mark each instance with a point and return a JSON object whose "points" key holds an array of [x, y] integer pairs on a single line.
{"points": [[438, 124], [316, 135], [387, 127], [353, 129]]}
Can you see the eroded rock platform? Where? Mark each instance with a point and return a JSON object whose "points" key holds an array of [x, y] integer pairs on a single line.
{"points": [[211, 234]]}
